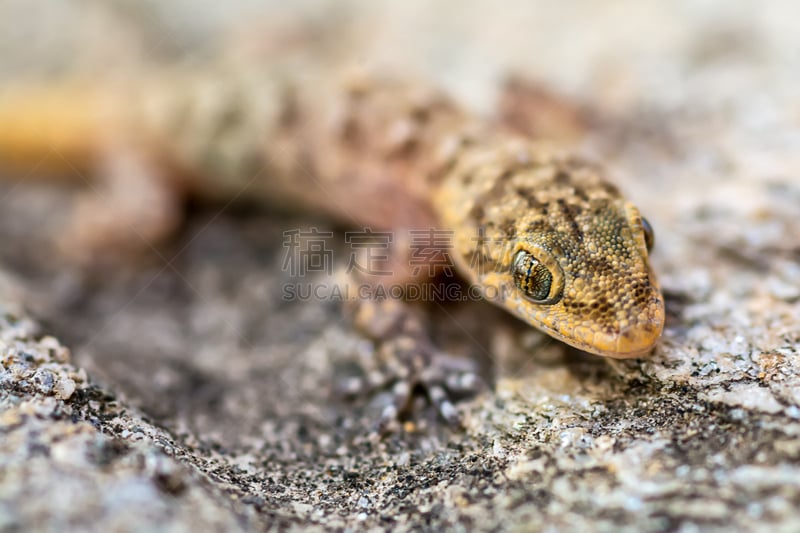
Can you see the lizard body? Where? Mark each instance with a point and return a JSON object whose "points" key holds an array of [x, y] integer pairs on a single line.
{"points": [[542, 234]]}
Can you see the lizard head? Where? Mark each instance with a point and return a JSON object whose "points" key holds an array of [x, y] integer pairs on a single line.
{"points": [[559, 248], [585, 278]]}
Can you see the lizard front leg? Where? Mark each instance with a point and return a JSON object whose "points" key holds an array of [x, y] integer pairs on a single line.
{"points": [[402, 354], [535, 111], [129, 206], [403, 358]]}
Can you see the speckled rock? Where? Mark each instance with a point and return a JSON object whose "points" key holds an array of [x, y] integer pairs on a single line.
{"points": [[72, 457], [192, 397]]}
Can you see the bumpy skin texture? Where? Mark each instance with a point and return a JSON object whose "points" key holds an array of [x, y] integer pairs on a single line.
{"points": [[517, 197], [394, 156]]}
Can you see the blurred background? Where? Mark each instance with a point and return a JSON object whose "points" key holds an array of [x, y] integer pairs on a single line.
{"points": [[620, 51]]}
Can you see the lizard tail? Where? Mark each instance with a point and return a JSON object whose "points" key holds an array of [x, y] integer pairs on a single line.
{"points": [[48, 129]]}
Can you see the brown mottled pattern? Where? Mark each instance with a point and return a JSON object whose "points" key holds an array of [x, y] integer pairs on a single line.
{"points": [[522, 196], [398, 156]]}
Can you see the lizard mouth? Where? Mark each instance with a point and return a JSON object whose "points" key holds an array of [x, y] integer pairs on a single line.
{"points": [[628, 341]]}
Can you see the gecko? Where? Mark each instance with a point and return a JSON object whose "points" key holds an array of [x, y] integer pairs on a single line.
{"points": [[540, 232]]}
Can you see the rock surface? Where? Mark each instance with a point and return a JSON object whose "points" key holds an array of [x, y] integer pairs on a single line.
{"points": [[192, 397]]}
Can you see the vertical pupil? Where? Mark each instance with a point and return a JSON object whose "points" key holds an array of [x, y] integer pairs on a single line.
{"points": [[531, 277]]}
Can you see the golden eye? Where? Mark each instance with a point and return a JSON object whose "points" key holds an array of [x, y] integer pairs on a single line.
{"points": [[649, 236], [533, 278]]}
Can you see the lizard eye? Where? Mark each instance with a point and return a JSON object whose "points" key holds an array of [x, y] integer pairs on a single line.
{"points": [[533, 278], [649, 236]]}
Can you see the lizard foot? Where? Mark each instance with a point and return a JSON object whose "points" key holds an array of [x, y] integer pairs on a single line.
{"points": [[400, 358]]}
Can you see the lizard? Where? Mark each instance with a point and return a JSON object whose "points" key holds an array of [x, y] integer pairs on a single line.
{"points": [[540, 232]]}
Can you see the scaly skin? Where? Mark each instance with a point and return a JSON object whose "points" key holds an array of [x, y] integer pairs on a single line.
{"points": [[541, 233], [603, 296]]}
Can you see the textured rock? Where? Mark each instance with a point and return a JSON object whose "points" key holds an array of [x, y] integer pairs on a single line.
{"points": [[194, 398]]}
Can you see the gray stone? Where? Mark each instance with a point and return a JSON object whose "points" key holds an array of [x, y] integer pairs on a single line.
{"points": [[194, 399]]}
